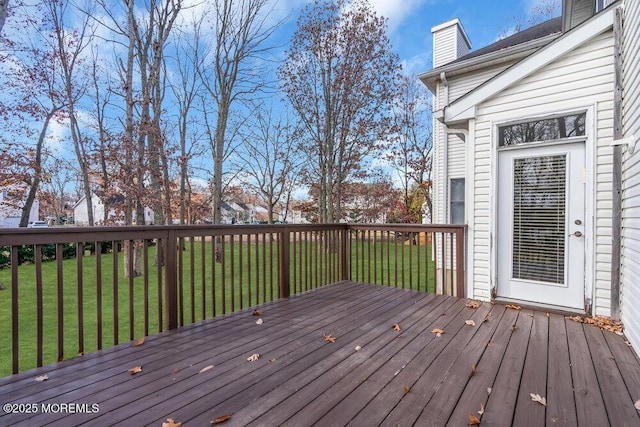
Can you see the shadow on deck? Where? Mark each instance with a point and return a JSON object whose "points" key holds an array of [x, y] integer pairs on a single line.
{"points": [[406, 377]]}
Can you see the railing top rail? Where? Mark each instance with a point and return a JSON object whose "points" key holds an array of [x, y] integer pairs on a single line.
{"points": [[438, 228], [32, 236]]}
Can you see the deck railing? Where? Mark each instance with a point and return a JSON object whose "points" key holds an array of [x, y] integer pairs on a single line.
{"points": [[74, 290]]}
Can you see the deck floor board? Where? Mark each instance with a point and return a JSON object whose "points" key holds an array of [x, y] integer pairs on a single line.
{"points": [[405, 377]]}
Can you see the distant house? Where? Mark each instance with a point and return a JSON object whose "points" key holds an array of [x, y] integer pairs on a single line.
{"points": [[12, 201], [81, 215], [525, 132]]}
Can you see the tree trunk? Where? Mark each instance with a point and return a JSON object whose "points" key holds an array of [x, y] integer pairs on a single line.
{"points": [[35, 181]]}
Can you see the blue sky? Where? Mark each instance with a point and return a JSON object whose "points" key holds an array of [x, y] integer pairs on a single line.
{"points": [[410, 22]]}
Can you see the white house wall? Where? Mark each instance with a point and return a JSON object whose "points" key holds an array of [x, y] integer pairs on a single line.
{"points": [[630, 301], [454, 155], [583, 79]]}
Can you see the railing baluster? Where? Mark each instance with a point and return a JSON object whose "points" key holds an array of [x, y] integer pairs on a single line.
{"points": [[213, 275], [232, 255], [145, 309], [39, 305], [192, 277], [98, 246], [114, 282], [79, 255], [203, 275], [223, 270], [132, 249], [240, 269], [180, 280], [60, 276], [14, 308]]}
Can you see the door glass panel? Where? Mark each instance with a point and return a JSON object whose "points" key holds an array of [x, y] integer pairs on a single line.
{"points": [[539, 200]]}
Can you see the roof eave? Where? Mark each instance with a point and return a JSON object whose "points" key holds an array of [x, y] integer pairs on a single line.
{"points": [[513, 53], [463, 107]]}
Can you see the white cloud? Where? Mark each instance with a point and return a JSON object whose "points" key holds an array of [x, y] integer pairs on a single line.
{"points": [[396, 10]]}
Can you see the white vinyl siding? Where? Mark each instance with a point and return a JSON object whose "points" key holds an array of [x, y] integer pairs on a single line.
{"points": [[630, 301], [444, 43], [461, 85], [456, 149], [580, 80]]}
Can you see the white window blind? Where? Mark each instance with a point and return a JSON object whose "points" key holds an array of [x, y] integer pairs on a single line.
{"points": [[539, 207]]}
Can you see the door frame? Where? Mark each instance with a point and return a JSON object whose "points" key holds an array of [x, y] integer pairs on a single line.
{"points": [[589, 198]]}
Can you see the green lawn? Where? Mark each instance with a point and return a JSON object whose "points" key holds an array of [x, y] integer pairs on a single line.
{"points": [[248, 276]]}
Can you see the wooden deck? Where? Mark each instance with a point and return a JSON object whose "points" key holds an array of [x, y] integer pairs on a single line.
{"points": [[406, 377]]}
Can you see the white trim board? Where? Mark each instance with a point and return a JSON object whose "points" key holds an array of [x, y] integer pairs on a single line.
{"points": [[464, 108]]}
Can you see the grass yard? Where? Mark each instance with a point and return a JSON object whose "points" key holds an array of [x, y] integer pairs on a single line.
{"points": [[249, 277]]}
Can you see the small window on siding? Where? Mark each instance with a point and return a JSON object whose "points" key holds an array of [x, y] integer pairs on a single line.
{"points": [[548, 129], [456, 201]]}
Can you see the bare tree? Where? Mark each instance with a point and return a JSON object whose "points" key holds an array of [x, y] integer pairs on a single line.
{"points": [[230, 72], [185, 90], [270, 161], [69, 46], [410, 154], [339, 75], [33, 98]]}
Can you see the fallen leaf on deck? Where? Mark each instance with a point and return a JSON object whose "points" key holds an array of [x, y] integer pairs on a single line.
{"points": [[637, 404], [253, 357], [221, 419], [481, 411], [602, 322], [271, 360], [548, 314], [257, 312], [514, 327], [138, 342], [472, 304], [259, 322], [473, 371], [407, 389], [473, 420], [329, 338], [488, 390], [396, 327], [171, 423], [206, 368], [42, 378], [470, 322], [437, 331], [538, 398], [514, 307], [135, 370], [358, 348]]}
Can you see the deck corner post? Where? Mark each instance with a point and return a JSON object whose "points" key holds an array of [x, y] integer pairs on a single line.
{"points": [[284, 246], [171, 284]]}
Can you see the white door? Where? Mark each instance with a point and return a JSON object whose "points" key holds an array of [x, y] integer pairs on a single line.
{"points": [[541, 215]]}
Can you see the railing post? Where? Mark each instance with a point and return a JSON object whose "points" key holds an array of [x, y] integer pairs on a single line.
{"points": [[345, 253], [460, 264], [171, 284], [284, 285]]}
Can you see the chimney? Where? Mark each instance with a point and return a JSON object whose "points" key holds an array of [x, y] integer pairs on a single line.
{"points": [[450, 42]]}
